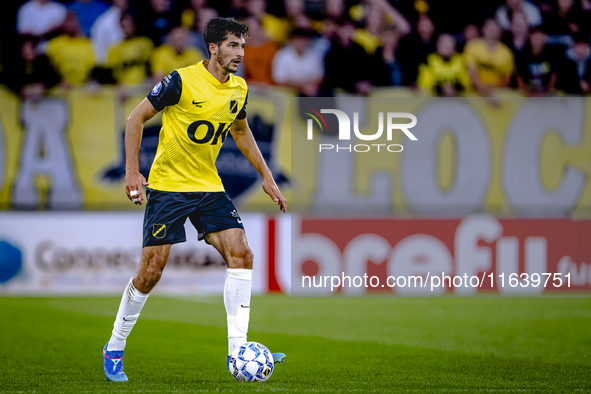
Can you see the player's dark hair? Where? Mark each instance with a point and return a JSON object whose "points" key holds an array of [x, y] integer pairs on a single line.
{"points": [[217, 31]]}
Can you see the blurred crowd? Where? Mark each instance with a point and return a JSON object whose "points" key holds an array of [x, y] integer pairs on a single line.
{"points": [[315, 47]]}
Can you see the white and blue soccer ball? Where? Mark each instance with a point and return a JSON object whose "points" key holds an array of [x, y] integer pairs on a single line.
{"points": [[251, 362]]}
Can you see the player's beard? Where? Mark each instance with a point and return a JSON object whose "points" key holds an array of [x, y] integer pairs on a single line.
{"points": [[225, 65]]}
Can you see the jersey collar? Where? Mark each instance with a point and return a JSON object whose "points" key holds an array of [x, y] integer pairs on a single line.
{"points": [[210, 76]]}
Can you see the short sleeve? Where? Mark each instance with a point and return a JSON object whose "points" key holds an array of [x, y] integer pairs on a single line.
{"points": [[242, 114], [166, 92]]}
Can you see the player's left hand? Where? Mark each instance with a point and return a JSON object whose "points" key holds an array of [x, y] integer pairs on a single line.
{"points": [[271, 188]]}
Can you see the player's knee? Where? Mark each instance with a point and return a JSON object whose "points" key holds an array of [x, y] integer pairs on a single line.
{"points": [[248, 258], [151, 272], [242, 258]]}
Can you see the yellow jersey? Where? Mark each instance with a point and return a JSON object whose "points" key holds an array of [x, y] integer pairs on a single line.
{"points": [[165, 59], [129, 60], [439, 71], [72, 57], [368, 41], [197, 113], [493, 67], [276, 28]]}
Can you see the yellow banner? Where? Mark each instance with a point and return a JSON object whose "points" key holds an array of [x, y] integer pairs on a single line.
{"points": [[522, 157], [516, 157], [66, 151]]}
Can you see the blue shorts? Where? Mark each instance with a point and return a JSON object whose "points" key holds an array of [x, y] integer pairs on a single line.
{"points": [[166, 213]]}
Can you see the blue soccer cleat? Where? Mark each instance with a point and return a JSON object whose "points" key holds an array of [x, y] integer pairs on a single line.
{"points": [[113, 365], [278, 358]]}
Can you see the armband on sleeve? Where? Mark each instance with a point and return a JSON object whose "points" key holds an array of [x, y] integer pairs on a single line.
{"points": [[166, 92]]}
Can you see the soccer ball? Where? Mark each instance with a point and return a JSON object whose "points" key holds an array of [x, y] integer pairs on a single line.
{"points": [[251, 362]]}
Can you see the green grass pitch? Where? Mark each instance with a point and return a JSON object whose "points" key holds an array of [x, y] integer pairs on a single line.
{"points": [[332, 345]]}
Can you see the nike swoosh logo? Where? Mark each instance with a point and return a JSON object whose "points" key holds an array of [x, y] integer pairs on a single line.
{"points": [[198, 103], [245, 306], [239, 220]]}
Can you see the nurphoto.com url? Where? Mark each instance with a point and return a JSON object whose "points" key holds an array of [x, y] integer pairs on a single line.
{"points": [[433, 282]]}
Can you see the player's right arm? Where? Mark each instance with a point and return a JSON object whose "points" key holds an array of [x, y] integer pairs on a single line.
{"points": [[134, 127], [166, 93]]}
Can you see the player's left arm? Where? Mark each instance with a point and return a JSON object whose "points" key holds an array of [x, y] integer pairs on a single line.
{"points": [[245, 140]]}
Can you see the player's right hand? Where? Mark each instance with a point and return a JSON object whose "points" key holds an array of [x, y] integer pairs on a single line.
{"points": [[135, 182]]}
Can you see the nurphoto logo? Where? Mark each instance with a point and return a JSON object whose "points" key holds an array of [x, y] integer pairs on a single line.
{"points": [[345, 130]]}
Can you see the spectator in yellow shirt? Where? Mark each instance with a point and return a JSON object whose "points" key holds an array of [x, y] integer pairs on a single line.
{"points": [[489, 61], [276, 28], [175, 54], [444, 74], [380, 13], [129, 59], [71, 53]]}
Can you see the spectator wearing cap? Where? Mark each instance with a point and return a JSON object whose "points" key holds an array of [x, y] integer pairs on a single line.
{"points": [[87, 12], [106, 30], [444, 73], [31, 73], [299, 65], [386, 66], [505, 13], [536, 70], [129, 59], [415, 48], [344, 63], [258, 54], [71, 53], [490, 63], [176, 53], [39, 17]]}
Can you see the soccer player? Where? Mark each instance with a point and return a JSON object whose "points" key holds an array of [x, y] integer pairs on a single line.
{"points": [[200, 104]]}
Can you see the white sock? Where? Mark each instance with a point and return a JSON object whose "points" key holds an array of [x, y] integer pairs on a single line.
{"points": [[131, 305], [237, 302]]}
